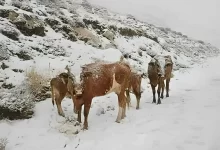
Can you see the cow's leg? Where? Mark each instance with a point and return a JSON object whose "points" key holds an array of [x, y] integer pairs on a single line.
{"points": [[167, 87], [128, 98], [124, 108], [59, 108], [162, 86], [154, 92], [79, 115], [138, 97], [87, 106], [120, 104], [158, 93]]}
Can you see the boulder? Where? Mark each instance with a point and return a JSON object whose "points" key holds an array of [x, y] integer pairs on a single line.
{"points": [[10, 33], [16, 104], [88, 37], [109, 35], [2, 2], [29, 25]]}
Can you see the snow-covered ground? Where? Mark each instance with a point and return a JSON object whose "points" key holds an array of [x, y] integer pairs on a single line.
{"points": [[188, 119]]}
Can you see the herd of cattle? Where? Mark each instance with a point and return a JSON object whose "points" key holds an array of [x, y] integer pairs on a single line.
{"points": [[101, 78]]}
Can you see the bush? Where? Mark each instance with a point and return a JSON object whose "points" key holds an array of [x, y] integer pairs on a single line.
{"points": [[16, 103], [3, 143], [38, 84]]}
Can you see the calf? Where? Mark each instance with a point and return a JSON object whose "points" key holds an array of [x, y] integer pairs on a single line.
{"points": [[160, 69], [61, 86], [99, 79], [134, 87]]}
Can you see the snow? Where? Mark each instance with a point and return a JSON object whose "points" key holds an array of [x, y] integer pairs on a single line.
{"points": [[185, 120]]}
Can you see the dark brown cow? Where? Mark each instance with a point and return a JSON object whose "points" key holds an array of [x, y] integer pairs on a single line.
{"points": [[99, 79], [160, 69], [134, 87], [61, 86]]}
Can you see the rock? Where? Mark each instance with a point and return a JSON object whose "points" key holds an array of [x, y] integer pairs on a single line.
{"points": [[4, 66], [67, 29], [143, 48], [64, 20], [27, 8], [12, 15], [151, 52], [17, 70], [109, 35], [4, 52], [95, 25], [23, 55], [4, 13], [29, 25], [8, 86], [87, 36], [16, 3], [52, 22], [16, 104], [128, 32], [2, 2], [72, 36], [10, 33]]}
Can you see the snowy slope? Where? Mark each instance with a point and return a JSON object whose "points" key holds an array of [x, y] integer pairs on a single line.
{"points": [[185, 120]]}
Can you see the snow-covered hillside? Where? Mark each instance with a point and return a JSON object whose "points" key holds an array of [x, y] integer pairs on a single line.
{"points": [[44, 36]]}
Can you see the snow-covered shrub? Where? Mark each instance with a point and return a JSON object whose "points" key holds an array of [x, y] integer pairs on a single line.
{"points": [[37, 84], [16, 103], [3, 143]]}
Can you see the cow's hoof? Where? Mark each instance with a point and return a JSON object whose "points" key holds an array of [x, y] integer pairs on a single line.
{"points": [[158, 103], [62, 115], [118, 121], [85, 127]]}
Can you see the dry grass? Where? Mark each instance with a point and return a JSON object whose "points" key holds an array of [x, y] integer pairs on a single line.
{"points": [[37, 81], [3, 143]]}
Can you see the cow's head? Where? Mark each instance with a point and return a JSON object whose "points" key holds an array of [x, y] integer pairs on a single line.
{"points": [[154, 67], [78, 98]]}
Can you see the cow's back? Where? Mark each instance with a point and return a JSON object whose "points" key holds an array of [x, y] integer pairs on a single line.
{"points": [[58, 85], [99, 78]]}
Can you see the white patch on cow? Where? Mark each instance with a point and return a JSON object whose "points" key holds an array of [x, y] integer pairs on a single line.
{"points": [[119, 114], [162, 62], [116, 87]]}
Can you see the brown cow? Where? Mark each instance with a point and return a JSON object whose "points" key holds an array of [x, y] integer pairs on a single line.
{"points": [[134, 87], [61, 86], [160, 69], [99, 79]]}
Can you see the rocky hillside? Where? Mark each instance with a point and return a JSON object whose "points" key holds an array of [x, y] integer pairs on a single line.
{"points": [[38, 38]]}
